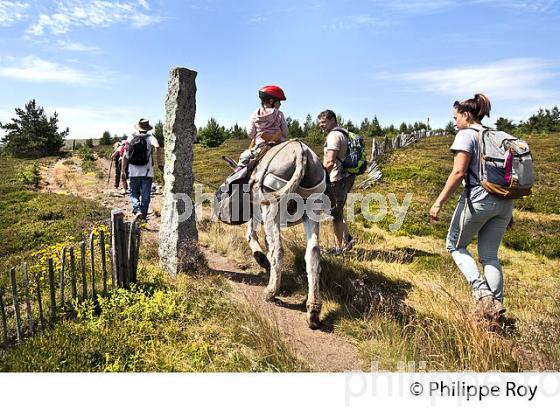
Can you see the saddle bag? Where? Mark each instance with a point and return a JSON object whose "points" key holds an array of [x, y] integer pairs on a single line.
{"points": [[232, 201]]}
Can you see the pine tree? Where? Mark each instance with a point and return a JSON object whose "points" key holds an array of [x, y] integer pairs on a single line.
{"points": [[376, 130], [504, 124], [450, 128], [238, 133], [158, 133], [351, 127], [213, 134], [307, 124], [365, 128], [105, 139], [294, 129], [31, 134]]}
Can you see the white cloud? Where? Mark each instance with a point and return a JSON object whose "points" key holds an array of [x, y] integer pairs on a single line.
{"points": [[416, 6], [75, 46], [11, 12], [434, 6], [70, 14], [358, 21], [144, 4], [35, 69], [514, 79], [258, 20], [538, 6]]}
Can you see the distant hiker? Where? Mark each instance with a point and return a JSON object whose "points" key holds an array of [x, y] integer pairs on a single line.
{"points": [[117, 157], [340, 180], [477, 213], [141, 155], [267, 124]]}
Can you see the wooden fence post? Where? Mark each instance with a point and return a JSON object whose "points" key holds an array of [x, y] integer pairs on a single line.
{"points": [[28, 298], [15, 299], [4, 318], [117, 216], [92, 261], [52, 290], [40, 301], [83, 260], [103, 261], [62, 264], [133, 249], [123, 248], [73, 272]]}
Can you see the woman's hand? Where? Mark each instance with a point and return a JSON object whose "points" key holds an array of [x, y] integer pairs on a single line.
{"points": [[434, 212]]}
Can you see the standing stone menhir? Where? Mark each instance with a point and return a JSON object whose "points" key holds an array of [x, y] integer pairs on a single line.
{"points": [[178, 248]]}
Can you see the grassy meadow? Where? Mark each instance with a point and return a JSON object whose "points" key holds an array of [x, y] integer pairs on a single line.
{"points": [[162, 324], [397, 296]]}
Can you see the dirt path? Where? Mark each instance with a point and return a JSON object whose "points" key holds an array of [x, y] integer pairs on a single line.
{"points": [[323, 351]]}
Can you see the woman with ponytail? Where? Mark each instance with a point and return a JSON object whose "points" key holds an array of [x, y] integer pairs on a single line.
{"points": [[477, 212]]}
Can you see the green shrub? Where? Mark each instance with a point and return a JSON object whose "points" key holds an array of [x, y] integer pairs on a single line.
{"points": [[29, 175]]}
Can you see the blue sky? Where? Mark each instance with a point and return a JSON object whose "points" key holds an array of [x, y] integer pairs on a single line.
{"points": [[104, 64]]}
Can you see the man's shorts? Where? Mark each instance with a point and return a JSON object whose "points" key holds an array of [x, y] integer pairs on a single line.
{"points": [[338, 192]]}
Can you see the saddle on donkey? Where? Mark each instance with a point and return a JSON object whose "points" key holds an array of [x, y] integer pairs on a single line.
{"points": [[233, 201]]}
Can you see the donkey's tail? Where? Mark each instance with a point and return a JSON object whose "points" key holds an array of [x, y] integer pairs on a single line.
{"points": [[301, 163]]}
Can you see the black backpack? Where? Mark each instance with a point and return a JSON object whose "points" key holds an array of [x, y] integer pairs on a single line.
{"points": [[138, 150]]}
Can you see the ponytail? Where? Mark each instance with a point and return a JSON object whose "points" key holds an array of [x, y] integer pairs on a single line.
{"points": [[478, 107], [484, 106]]}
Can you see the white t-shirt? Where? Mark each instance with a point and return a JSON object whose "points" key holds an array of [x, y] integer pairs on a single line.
{"points": [[467, 140], [337, 141], [143, 170]]}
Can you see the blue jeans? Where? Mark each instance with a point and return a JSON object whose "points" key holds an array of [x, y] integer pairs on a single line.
{"points": [[489, 219], [140, 190]]}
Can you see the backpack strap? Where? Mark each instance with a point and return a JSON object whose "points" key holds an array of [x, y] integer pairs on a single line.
{"points": [[342, 130], [345, 132], [481, 149]]}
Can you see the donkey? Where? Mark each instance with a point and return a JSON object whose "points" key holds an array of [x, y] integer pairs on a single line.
{"points": [[288, 173]]}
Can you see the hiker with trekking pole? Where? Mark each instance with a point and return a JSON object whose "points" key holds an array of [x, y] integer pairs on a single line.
{"points": [[116, 158]]}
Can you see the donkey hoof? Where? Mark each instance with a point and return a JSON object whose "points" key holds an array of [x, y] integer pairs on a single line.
{"points": [[262, 260], [269, 295], [313, 320]]}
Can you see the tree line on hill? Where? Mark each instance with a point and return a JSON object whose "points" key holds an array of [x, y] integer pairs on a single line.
{"points": [[213, 134], [544, 120], [32, 134]]}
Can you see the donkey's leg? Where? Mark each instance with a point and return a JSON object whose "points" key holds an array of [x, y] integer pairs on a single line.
{"points": [[313, 268], [253, 240], [275, 251]]}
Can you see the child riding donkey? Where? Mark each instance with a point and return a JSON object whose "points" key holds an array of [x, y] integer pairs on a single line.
{"points": [[267, 125]]}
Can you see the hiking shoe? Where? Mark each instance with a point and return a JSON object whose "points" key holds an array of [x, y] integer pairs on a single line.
{"points": [[485, 307], [499, 308], [489, 308], [137, 217]]}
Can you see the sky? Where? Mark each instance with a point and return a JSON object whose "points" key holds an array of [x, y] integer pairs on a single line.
{"points": [[104, 64]]}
